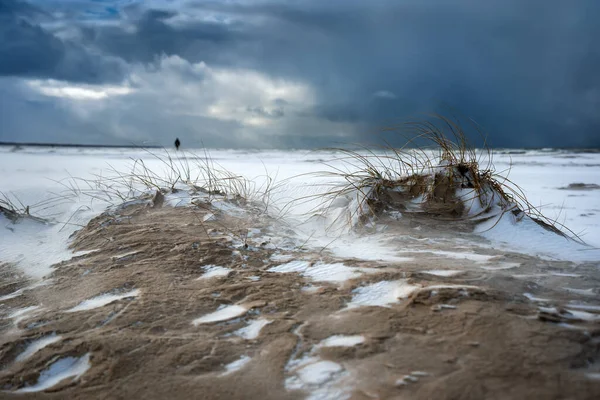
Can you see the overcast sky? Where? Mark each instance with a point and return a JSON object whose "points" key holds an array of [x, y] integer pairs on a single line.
{"points": [[307, 73]]}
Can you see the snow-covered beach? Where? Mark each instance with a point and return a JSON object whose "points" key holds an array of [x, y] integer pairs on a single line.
{"points": [[255, 296]]}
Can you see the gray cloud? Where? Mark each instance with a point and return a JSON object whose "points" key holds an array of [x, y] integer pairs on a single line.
{"points": [[525, 71], [27, 50]]}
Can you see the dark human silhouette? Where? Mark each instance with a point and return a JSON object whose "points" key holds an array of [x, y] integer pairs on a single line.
{"points": [[177, 143]]}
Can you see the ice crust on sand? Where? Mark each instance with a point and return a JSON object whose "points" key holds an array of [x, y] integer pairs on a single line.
{"points": [[224, 313], [68, 367], [381, 294], [102, 300], [342, 341], [212, 271], [37, 345], [321, 272], [236, 365], [252, 330]]}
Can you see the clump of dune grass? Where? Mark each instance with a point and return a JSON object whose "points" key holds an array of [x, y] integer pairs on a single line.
{"points": [[437, 173], [149, 181], [196, 174], [15, 210]]}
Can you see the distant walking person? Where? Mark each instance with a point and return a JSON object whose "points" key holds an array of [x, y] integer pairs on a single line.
{"points": [[177, 143]]}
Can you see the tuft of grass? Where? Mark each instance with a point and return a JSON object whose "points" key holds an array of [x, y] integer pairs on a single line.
{"points": [[446, 177]]}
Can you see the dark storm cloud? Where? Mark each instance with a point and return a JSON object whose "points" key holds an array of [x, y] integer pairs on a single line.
{"points": [[154, 36], [27, 50], [527, 71]]}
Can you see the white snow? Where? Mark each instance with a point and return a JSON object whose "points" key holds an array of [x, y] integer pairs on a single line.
{"points": [[456, 255], [252, 330], [37, 345], [212, 271], [319, 372], [209, 217], [310, 289], [531, 297], [21, 313], [527, 236], [586, 307], [444, 272], [342, 341], [437, 287], [571, 314], [102, 300], [381, 294], [565, 274], [224, 313], [236, 365], [278, 257], [321, 272], [322, 379], [12, 295], [500, 266], [68, 367], [583, 292]]}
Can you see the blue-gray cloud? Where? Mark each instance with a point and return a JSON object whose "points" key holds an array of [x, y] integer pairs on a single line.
{"points": [[525, 71]]}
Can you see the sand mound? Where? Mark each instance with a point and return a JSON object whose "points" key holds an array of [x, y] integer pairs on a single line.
{"points": [[184, 302]]}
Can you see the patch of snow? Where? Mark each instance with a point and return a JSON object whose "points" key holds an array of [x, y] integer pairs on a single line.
{"points": [[585, 307], [20, 313], [37, 345], [252, 330], [23, 290], [311, 289], [456, 255], [181, 198], [228, 207], [342, 341], [381, 294], [321, 272], [443, 272], [531, 297], [318, 373], [584, 292], [102, 300], [281, 257], [12, 295], [212, 271], [440, 307], [583, 315], [209, 217], [125, 255], [437, 287], [500, 266], [236, 365], [224, 313], [566, 275], [526, 236], [68, 367]]}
